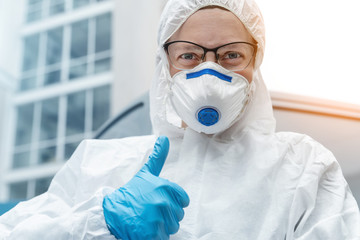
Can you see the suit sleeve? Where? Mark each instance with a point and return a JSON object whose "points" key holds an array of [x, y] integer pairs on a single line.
{"points": [[323, 205], [66, 211]]}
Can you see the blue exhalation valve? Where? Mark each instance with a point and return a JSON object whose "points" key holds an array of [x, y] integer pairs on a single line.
{"points": [[208, 116]]}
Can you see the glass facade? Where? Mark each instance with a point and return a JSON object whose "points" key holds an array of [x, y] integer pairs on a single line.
{"points": [[90, 53], [49, 128], [40, 138], [41, 9]]}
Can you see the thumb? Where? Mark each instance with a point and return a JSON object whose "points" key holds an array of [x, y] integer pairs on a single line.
{"points": [[158, 156]]}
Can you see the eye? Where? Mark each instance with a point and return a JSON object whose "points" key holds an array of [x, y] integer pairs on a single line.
{"points": [[188, 56], [232, 55]]}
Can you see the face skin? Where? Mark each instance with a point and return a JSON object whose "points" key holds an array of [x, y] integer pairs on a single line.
{"points": [[212, 27]]}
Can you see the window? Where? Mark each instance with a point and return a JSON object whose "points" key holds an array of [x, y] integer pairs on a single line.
{"points": [[90, 57], [103, 33], [56, 7], [41, 9], [39, 70], [75, 118], [42, 185], [46, 155], [21, 158], [54, 48], [79, 49], [30, 62], [103, 43], [41, 138], [86, 112], [49, 119], [79, 39], [37, 126], [18, 191], [36, 133], [27, 189], [99, 113], [24, 124], [34, 10], [82, 3], [90, 53], [31, 51]]}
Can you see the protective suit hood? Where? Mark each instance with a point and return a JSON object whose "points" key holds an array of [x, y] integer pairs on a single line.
{"points": [[259, 114]]}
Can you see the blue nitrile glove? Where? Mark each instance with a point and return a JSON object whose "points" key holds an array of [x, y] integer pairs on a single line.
{"points": [[147, 207]]}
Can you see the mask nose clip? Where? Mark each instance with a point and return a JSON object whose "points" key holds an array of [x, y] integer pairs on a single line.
{"points": [[208, 116]]}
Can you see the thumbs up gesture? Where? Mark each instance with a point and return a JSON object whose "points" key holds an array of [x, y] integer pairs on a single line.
{"points": [[147, 207]]}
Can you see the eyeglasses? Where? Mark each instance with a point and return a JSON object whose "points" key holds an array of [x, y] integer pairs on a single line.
{"points": [[235, 56]]}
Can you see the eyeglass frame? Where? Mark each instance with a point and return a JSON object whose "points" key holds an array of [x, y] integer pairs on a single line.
{"points": [[206, 50]]}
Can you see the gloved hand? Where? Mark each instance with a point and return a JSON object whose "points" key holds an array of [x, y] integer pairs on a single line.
{"points": [[147, 207]]}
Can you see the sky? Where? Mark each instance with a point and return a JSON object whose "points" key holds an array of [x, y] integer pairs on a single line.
{"points": [[313, 48]]}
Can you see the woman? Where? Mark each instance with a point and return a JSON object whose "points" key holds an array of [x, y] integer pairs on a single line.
{"points": [[229, 175]]}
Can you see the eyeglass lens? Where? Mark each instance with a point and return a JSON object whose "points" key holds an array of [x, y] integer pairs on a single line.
{"points": [[234, 56]]}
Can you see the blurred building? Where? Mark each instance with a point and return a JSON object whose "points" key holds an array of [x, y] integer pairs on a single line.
{"points": [[6, 90], [76, 66]]}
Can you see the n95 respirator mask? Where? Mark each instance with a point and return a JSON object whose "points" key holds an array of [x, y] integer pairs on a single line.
{"points": [[209, 98]]}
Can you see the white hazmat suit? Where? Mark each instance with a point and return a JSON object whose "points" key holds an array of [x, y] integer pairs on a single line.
{"points": [[247, 182]]}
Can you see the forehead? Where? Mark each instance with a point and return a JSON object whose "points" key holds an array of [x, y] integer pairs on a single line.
{"points": [[211, 27]]}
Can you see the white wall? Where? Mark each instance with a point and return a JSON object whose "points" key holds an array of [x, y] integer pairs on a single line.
{"points": [[312, 48], [135, 44], [11, 19]]}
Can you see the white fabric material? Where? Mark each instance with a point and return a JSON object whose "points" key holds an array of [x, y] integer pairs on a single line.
{"points": [[230, 99], [245, 183], [260, 187]]}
